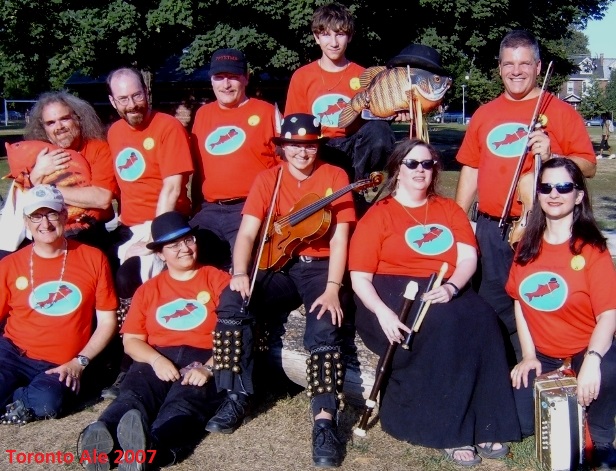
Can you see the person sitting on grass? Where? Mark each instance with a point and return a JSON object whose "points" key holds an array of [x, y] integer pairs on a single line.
{"points": [[168, 393]]}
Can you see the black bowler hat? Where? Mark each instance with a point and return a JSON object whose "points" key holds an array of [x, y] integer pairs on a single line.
{"points": [[300, 128], [168, 227], [230, 61], [420, 56]]}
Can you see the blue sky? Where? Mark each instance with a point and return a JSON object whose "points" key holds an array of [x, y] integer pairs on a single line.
{"points": [[602, 34]]}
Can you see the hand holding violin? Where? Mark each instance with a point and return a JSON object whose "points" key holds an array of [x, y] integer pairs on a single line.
{"points": [[539, 144]]}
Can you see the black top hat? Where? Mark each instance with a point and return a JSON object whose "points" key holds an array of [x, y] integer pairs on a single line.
{"points": [[168, 227], [301, 128], [420, 56]]}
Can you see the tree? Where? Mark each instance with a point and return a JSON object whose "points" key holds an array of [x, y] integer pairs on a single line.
{"points": [[594, 103], [64, 36], [610, 94]]}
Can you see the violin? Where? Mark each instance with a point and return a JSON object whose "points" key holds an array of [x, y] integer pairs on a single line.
{"points": [[308, 220], [524, 185]]}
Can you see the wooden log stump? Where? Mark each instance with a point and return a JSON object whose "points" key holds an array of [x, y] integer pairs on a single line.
{"points": [[360, 362]]}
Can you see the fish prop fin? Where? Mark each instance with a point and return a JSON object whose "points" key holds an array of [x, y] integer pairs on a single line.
{"points": [[347, 116], [367, 75]]}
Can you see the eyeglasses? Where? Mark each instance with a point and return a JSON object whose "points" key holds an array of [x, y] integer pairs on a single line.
{"points": [[136, 98], [562, 188], [38, 217], [189, 241], [413, 164], [310, 149]]}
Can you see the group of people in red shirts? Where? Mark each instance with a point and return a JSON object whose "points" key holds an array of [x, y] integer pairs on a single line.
{"points": [[262, 181]]}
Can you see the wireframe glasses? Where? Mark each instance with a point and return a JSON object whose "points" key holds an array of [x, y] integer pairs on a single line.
{"points": [[413, 164], [562, 188], [310, 149], [189, 242], [38, 217], [136, 98]]}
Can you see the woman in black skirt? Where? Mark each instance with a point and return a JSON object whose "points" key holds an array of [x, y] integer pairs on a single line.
{"points": [[451, 390]]}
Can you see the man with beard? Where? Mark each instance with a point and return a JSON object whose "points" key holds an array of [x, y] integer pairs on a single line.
{"points": [[152, 163], [68, 122]]}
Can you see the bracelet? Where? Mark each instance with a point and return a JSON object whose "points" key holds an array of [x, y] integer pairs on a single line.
{"points": [[235, 275], [456, 290], [595, 353], [335, 283], [155, 359]]}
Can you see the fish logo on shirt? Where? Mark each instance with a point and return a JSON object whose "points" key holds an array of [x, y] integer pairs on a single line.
{"points": [[55, 298], [544, 291], [431, 239], [507, 140], [224, 140], [181, 314], [186, 310], [327, 109], [129, 164]]}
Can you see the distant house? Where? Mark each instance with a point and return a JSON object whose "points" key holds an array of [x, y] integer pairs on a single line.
{"points": [[588, 69]]}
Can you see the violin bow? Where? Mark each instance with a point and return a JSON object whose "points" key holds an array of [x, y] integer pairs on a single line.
{"points": [[502, 223], [409, 295], [268, 220]]}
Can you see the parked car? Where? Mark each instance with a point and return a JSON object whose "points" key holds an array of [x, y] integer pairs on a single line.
{"points": [[593, 121], [450, 117]]}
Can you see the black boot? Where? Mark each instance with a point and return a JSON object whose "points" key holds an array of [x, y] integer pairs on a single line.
{"points": [[326, 452], [131, 436], [233, 412], [94, 440], [17, 414], [604, 456]]}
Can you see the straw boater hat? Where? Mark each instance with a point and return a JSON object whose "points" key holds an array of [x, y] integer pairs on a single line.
{"points": [[300, 128], [420, 56]]}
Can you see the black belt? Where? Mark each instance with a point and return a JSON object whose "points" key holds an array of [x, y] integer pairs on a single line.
{"points": [[493, 218], [230, 201], [308, 258]]}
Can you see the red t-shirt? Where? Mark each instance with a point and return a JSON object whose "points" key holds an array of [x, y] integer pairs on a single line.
{"points": [[324, 94], [143, 158], [325, 180], [98, 155], [496, 137], [561, 295], [53, 322], [234, 146], [173, 313], [389, 241]]}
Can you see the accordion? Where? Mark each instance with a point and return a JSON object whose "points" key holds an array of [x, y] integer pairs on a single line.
{"points": [[559, 421]]}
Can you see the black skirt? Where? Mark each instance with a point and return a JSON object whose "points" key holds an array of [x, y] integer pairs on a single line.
{"points": [[452, 388]]}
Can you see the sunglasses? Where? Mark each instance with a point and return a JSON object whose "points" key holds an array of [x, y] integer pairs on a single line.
{"points": [[413, 164], [562, 188]]}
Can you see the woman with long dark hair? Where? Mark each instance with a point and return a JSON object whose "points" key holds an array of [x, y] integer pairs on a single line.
{"points": [[451, 390], [562, 281]]}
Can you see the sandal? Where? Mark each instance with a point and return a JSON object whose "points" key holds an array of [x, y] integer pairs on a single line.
{"points": [[450, 452], [488, 451]]}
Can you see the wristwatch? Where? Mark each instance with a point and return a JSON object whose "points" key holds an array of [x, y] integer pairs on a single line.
{"points": [[83, 360]]}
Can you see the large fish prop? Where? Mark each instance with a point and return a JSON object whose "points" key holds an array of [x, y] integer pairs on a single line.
{"points": [[385, 91], [21, 159]]}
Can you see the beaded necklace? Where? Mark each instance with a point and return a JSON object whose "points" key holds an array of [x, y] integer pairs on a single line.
{"points": [[65, 250]]}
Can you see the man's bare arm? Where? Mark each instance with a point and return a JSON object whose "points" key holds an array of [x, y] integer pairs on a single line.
{"points": [[169, 194], [467, 187]]}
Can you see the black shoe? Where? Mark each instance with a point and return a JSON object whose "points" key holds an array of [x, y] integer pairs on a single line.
{"points": [[131, 437], [113, 391], [326, 451], [233, 412], [94, 440], [604, 456], [17, 414]]}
